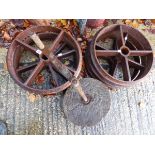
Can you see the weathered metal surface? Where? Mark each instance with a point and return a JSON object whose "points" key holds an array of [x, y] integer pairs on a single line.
{"points": [[90, 113], [45, 116], [50, 58], [119, 48]]}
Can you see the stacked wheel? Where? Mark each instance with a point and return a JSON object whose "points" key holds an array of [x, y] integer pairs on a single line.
{"points": [[119, 55]]}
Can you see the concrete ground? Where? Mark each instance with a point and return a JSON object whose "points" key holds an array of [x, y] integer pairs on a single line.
{"points": [[132, 109]]}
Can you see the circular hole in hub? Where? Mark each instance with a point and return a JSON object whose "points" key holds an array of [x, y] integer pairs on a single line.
{"points": [[125, 51]]}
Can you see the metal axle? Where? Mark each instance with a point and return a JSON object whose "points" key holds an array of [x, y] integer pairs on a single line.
{"points": [[76, 84]]}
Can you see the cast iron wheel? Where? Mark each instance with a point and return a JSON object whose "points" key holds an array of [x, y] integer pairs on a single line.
{"points": [[119, 55], [33, 71]]}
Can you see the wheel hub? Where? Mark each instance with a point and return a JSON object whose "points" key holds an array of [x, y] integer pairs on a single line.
{"points": [[124, 51]]}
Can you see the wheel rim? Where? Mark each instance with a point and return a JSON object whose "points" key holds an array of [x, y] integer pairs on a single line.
{"points": [[130, 50], [67, 50]]}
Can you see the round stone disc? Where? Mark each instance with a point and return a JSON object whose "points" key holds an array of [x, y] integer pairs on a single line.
{"points": [[89, 114]]}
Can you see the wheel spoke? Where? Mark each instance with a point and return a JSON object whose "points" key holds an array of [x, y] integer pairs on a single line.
{"points": [[140, 52], [126, 69], [28, 47], [54, 76], [56, 41], [66, 54], [122, 36], [60, 48], [34, 74], [27, 68], [135, 64], [106, 53]]}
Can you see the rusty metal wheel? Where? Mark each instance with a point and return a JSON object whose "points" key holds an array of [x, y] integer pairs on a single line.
{"points": [[32, 70], [119, 55]]}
